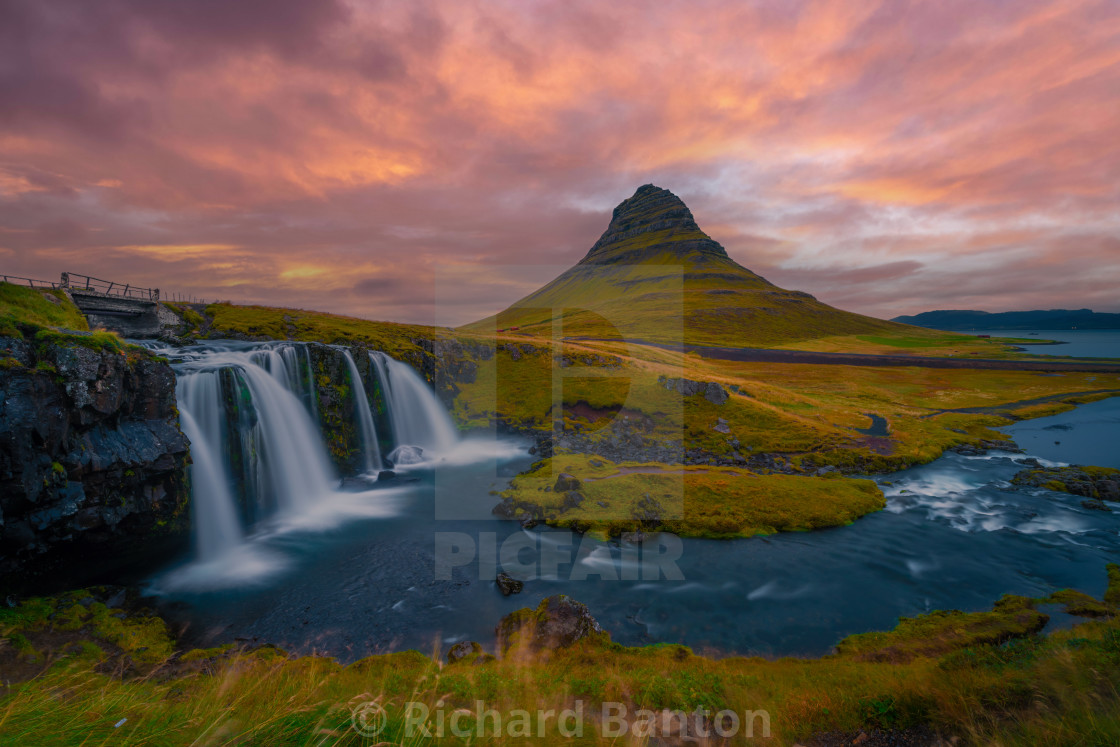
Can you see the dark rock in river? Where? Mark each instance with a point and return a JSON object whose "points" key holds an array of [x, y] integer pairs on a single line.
{"points": [[1099, 483], [558, 622], [92, 462], [507, 584]]}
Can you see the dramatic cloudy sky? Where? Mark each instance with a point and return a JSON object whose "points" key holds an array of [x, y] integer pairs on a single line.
{"points": [[368, 157]]}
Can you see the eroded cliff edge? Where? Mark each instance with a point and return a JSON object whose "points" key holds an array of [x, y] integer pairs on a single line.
{"points": [[93, 465]]}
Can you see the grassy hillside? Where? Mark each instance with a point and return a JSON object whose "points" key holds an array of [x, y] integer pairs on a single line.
{"points": [[34, 307]]}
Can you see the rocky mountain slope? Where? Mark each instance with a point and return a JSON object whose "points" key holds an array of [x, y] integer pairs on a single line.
{"points": [[655, 275]]}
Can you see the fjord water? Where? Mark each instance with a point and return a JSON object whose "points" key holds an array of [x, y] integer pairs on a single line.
{"points": [[350, 573], [1073, 343]]}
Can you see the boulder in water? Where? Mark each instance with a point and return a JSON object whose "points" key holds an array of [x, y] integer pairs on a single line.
{"points": [[406, 455], [508, 584]]}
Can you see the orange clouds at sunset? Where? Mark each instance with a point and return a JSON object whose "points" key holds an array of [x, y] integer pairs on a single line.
{"points": [[887, 157]]}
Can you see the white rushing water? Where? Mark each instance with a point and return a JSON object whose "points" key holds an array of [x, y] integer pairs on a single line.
{"points": [[417, 415], [370, 448], [217, 528], [260, 461]]}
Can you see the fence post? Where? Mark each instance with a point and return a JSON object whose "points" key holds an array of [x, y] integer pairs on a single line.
{"points": [[65, 280]]}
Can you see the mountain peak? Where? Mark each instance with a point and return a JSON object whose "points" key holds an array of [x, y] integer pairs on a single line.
{"points": [[652, 224]]}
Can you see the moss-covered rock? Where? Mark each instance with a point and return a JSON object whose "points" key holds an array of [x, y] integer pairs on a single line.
{"points": [[1099, 483], [558, 622]]}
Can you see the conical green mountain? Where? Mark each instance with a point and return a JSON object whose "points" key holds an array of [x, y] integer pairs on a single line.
{"points": [[654, 275]]}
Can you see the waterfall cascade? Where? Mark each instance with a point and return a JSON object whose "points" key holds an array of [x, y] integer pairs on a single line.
{"points": [[250, 413], [418, 417]]}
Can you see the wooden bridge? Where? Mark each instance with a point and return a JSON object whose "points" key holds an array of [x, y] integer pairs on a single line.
{"points": [[89, 286], [86, 285], [130, 310]]}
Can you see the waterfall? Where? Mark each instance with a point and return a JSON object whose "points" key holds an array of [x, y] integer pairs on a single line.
{"points": [[364, 416], [245, 415], [258, 452], [217, 529], [418, 418]]}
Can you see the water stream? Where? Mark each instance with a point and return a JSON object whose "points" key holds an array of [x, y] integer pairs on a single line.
{"points": [[353, 571]]}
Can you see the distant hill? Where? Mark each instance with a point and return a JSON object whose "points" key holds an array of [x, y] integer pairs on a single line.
{"points": [[654, 275], [1040, 319]]}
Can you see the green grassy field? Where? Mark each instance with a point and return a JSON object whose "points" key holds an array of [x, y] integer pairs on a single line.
{"points": [[80, 673]]}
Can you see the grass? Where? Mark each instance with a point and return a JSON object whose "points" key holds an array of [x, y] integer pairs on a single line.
{"points": [[809, 412], [313, 326], [985, 677], [692, 501], [32, 307]]}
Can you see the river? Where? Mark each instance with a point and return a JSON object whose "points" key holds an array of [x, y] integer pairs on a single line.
{"points": [[358, 574]]}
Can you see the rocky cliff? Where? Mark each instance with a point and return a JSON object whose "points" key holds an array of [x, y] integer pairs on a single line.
{"points": [[92, 462]]}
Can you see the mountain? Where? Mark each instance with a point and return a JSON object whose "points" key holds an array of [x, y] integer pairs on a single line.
{"points": [[1039, 319], [654, 275]]}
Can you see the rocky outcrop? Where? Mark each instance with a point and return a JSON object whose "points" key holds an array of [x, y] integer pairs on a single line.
{"points": [[986, 445], [1098, 483], [92, 461], [657, 214], [507, 584], [712, 391], [558, 622]]}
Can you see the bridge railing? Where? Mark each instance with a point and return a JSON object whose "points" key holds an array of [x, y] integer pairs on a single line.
{"points": [[95, 286], [30, 282]]}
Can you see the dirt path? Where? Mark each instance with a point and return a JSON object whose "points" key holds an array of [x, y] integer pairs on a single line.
{"points": [[770, 355]]}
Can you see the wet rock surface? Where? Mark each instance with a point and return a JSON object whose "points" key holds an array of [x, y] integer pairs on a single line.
{"points": [[92, 461], [1098, 483], [507, 584]]}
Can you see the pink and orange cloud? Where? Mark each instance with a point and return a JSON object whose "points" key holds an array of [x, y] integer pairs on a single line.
{"points": [[889, 157]]}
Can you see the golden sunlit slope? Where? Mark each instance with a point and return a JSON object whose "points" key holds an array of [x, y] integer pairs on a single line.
{"points": [[654, 275]]}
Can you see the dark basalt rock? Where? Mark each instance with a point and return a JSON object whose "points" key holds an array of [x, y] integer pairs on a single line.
{"points": [[712, 391], [1097, 483], [651, 210], [92, 463], [986, 445], [507, 584], [558, 622], [566, 482], [467, 652]]}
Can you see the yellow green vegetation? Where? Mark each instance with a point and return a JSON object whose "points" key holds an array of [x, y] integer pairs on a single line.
{"points": [[35, 308], [786, 408], [697, 300], [985, 677], [314, 326], [915, 341], [688, 501], [939, 632]]}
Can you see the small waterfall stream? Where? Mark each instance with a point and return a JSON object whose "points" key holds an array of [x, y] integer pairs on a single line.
{"points": [[371, 450], [417, 415]]}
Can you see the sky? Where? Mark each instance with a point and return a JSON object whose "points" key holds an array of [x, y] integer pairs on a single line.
{"points": [[435, 161]]}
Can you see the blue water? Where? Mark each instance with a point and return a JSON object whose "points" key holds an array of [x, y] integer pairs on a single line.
{"points": [[955, 535], [1077, 343]]}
